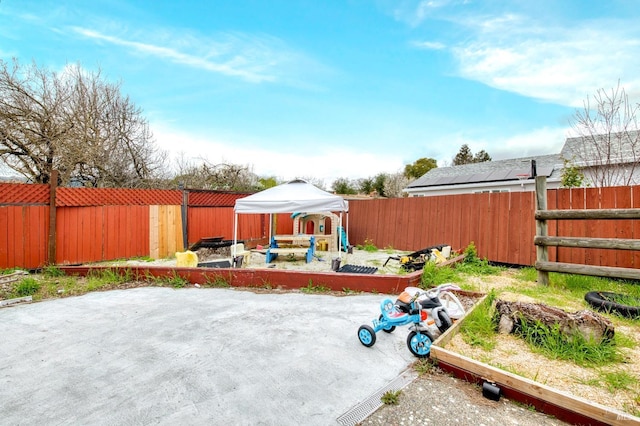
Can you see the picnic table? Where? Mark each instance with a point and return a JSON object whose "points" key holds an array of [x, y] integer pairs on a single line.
{"points": [[300, 244]]}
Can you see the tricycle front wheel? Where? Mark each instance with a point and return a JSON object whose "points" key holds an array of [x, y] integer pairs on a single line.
{"points": [[366, 335], [419, 344]]}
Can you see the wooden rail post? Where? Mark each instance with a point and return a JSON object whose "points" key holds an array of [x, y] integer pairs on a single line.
{"points": [[542, 252]]}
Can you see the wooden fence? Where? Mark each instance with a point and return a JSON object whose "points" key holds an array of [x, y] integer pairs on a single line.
{"points": [[102, 224], [543, 241], [501, 225]]}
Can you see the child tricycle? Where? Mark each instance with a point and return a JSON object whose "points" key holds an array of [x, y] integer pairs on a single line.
{"points": [[415, 306]]}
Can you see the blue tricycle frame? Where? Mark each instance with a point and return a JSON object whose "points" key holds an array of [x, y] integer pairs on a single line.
{"points": [[419, 339]]}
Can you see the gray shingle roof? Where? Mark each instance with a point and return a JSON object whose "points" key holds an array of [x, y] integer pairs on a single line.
{"points": [[490, 171], [612, 148]]}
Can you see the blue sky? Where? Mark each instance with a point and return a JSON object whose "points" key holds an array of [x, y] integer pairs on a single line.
{"points": [[348, 88]]}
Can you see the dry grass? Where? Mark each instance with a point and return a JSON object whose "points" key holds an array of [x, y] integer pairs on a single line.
{"points": [[616, 385]]}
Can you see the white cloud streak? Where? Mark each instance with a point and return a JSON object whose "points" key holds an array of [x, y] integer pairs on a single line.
{"points": [[253, 59], [429, 45], [561, 62], [562, 66]]}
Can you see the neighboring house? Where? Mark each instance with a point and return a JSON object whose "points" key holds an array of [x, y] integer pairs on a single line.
{"points": [[606, 160], [613, 160], [515, 174]]}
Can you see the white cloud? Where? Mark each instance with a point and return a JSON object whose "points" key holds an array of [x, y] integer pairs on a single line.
{"points": [[267, 158], [429, 45], [560, 65], [252, 58], [414, 13]]}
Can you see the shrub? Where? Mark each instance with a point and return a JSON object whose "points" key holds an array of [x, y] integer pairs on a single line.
{"points": [[27, 287]]}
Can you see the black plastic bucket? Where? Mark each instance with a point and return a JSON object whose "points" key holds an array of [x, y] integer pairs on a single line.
{"points": [[491, 391], [335, 264]]}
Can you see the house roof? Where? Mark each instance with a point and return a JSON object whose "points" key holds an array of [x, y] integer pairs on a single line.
{"points": [[490, 171], [611, 148]]}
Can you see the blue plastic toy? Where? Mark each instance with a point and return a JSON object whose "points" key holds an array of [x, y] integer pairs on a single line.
{"points": [[416, 307]]}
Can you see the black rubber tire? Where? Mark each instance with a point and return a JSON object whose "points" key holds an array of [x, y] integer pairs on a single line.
{"points": [[367, 336], [445, 321], [422, 346], [606, 301], [388, 329]]}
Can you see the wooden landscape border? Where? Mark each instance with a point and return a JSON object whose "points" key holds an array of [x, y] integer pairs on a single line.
{"points": [[545, 399], [562, 405]]}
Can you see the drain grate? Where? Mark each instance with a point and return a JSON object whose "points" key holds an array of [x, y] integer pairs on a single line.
{"points": [[364, 409]]}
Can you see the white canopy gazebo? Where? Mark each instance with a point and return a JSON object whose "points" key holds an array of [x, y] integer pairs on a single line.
{"points": [[296, 196]]}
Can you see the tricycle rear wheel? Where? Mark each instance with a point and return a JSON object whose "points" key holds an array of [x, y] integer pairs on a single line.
{"points": [[388, 329]]}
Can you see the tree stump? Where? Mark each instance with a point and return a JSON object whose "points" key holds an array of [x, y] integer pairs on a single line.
{"points": [[588, 324]]}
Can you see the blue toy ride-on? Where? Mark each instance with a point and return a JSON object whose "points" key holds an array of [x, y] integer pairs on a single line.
{"points": [[416, 307]]}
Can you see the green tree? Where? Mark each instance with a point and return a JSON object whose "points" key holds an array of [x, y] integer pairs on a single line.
{"points": [[267, 182], [366, 186], [572, 176], [465, 156], [343, 186], [419, 167], [481, 156], [379, 182]]}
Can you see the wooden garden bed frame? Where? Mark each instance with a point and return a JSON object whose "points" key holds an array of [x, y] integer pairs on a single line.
{"points": [[562, 405]]}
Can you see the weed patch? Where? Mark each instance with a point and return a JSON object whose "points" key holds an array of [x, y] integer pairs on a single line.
{"points": [[391, 397], [311, 288], [556, 344], [27, 287], [479, 327]]}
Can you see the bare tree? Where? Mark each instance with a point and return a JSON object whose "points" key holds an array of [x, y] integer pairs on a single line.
{"points": [[76, 123], [202, 174], [607, 149]]}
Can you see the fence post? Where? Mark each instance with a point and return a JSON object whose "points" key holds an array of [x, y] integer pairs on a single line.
{"points": [[542, 252], [184, 212], [53, 186]]}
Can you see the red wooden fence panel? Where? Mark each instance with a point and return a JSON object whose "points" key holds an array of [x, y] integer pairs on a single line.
{"points": [[635, 203], [563, 227], [592, 201], [203, 222], [624, 228], [23, 236], [501, 225], [97, 233]]}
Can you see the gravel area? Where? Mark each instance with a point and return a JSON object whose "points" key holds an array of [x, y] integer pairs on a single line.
{"points": [[436, 398]]}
